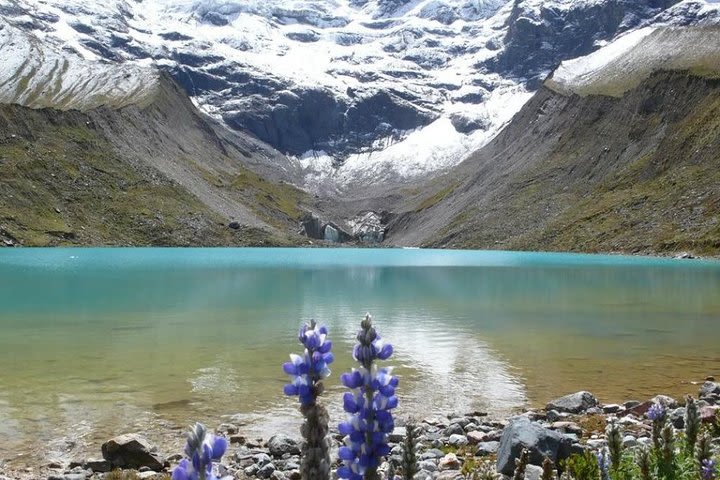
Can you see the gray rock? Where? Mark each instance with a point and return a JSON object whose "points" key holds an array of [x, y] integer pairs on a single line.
{"points": [[631, 404], [450, 475], [454, 429], [487, 448], [597, 443], [266, 471], [533, 472], [428, 465], [573, 403], [397, 435], [97, 465], [677, 417], [279, 445], [68, 476], [541, 442], [423, 475], [132, 451], [457, 440], [431, 454], [629, 441], [262, 459], [665, 401], [708, 388], [611, 408]]}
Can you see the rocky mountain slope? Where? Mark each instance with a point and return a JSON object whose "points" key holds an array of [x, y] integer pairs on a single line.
{"points": [[127, 159], [355, 91], [618, 155]]}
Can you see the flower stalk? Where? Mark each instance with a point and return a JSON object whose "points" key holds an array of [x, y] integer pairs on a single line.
{"points": [[306, 373], [368, 404]]}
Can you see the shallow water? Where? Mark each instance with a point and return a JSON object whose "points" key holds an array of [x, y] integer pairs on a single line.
{"points": [[97, 342]]}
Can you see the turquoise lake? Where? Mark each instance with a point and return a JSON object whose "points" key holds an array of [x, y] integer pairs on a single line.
{"points": [[98, 342]]}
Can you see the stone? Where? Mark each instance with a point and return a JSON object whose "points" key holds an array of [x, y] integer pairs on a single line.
{"points": [[665, 401], [541, 442], [533, 472], [709, 414], [433, 453], [611, 408], [239, 439], [568, 427], [450, 475], [597, 443], [397, 435], [262, 459], [476, 436], [638, 410], [98, 465], [449, 462], [457, 440], [631, 404], [629, 441], [68, 476], [266, 471], [487, 448], [311, 226], [234, 225], [574, 403], [423, 475], [132, 451], [227, 428], [428, 465], [677, 417], [278, 445], [708, 388], [454, 429]]}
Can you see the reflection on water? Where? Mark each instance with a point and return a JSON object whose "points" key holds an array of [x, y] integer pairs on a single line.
{"points": [[115, 340]]}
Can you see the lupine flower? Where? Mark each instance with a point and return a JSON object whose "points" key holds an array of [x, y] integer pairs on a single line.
{"points": [[306, 374], [603, 461], [656, 412], [369, 402], [201, 449], [708, 469], [307, 370]]}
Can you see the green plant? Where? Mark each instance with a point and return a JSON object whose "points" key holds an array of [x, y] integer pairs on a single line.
{"points": [[583, 466], [615, 445], [692, 424], [548, 472], [409, 458]]}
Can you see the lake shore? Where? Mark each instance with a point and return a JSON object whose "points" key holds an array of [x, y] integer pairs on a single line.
{"points": [[451, 445]]}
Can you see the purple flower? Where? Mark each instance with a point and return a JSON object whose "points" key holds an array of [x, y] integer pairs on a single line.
{"points": [[708, 469], [201, 449], [656, 412], [308, 369], [368, 404]]}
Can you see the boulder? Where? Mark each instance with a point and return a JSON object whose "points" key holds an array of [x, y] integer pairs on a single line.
{"points": [[449, 462], [311, 226], [541, 442], [665, 401], [280, 444], [573, 403], [709, 388], [487, 448], [132, 451], [677, 417]]}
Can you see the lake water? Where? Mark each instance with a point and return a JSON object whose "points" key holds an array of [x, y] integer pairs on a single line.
{"points": [[98, 342]]}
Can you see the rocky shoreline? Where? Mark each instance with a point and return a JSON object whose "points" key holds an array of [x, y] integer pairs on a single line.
{"points": [[450, 446]]}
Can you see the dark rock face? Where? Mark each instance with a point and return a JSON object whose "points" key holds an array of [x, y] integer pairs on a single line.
{"points": [[316, 119], [538, 40], [132, 451], [573, 403], [541, 442]]}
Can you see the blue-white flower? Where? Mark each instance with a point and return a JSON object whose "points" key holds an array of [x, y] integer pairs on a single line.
{"points": [[308, 369], [201, 449], [371, 397]]}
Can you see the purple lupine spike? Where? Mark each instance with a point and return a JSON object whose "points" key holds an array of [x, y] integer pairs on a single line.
{"points": [[656, 412], [201, 449], [308, 369], [708, 469], [368, 404]]}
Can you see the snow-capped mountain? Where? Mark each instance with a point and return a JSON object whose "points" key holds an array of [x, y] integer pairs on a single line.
{"points": [[353, 91]]}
